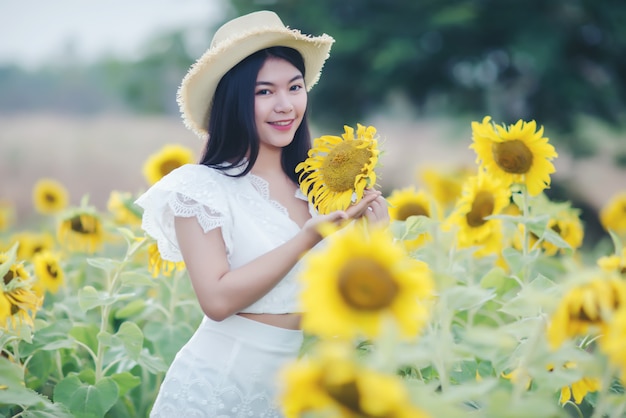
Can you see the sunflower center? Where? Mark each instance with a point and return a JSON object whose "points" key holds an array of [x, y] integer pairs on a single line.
{"points": [[50, 198], [8, 277], [556, 228], [168, 165], [83, 225], [482, 206], [411, 209], [513, 156], [366, 285], [343, 163], [52, 271], [346, 394]]}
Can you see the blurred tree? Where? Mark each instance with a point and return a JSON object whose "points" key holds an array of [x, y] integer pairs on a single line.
{"points": [[548, 60]]}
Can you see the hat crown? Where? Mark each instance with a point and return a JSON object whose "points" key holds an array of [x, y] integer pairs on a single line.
{"points": [[243, 24]]}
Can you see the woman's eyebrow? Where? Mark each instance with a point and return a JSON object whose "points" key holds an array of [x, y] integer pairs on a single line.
{"points": [[269, 83]]}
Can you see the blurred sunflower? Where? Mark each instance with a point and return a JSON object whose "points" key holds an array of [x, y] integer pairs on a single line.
{"points": [[338, 169], [361, 279], [444, 185], [330, 382], [81, 230], [156, 265], [614, 263], [120, 205], [18, 301], [613, 214], [168, 158], [30, 243], [569, 227], [49, 196], [613, 342], [514, 154], [482, 196], [7, 215], [586, 308], [579, 389], [407, 202], [48, 271]]}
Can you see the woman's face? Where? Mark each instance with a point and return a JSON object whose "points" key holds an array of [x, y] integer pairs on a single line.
{"points": [[280, 100]]}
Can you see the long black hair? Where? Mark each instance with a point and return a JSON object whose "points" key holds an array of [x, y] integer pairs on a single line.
{"points": [[232, 129]]}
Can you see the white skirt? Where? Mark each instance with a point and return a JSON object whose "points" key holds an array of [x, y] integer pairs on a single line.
{"points": [[227, 369]]}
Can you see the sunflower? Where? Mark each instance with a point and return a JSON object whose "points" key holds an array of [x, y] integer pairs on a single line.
{"points": [[48, 271], [49, 196], [444, 185], [569, 227], [613, 342], [168, 158], [515, 154], [18, 301], [579, 389], [482, 196], [31, 243], [613, 214], [614, 263], [120, 205], [338, 169], [360, 279], [586, 308], [407, 202], [157, 265], [332, 383], [81, 231], [7, 215]]}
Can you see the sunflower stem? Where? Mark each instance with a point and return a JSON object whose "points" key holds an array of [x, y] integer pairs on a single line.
{"points": [[526, 237]]}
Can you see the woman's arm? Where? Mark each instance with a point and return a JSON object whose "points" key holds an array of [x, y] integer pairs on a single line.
{"points": [[222, 292]]}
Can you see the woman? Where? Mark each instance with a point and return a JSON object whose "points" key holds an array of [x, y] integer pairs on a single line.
{"points": [[238, 220]]}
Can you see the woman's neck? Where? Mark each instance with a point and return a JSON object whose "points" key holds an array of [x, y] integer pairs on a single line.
{"points": [[268, 161]]}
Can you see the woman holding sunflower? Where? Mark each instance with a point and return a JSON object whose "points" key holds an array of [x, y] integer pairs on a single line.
{"points": [[239, 220]]}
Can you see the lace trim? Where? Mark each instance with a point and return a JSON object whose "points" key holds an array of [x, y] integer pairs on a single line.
{"points": [[263, 187]]}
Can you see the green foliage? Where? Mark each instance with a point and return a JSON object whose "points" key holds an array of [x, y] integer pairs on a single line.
{"points": [[552, 60], [100, 346]]}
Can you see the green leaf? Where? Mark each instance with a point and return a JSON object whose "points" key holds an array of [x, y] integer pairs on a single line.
{"points": [[459, 298], [513, 258], [554, 238], [86, 334], [151, 363], [51, 336], [89, 298], [125, 381], [12, 389], [131, 337], [47, 409], [133, 308], [11, 256], [499, 280], [167, 338], [85, 400], [106, 264], [136, 278], [617, 242]]}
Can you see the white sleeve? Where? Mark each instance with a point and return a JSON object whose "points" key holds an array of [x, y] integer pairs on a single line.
{"points": [[189, 191]]}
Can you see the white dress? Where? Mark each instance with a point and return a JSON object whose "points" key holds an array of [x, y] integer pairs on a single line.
{"points": [[227, 368]]}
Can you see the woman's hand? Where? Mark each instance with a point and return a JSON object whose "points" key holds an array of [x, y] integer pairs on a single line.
{"points": [[373, 206]]}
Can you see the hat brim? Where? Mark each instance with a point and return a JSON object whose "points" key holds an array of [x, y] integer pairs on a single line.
{"points": [[198, 86]]}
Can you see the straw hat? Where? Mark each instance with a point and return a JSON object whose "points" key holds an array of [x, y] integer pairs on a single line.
{"points": [[233, 42]]}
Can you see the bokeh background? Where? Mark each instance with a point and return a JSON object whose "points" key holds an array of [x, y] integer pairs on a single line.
{"points": [[87, 88]]}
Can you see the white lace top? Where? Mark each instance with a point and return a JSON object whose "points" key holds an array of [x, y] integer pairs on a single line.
{"points": [[251, 223]]}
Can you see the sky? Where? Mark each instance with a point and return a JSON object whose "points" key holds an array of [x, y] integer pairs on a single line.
{"points": [[33, 32]]}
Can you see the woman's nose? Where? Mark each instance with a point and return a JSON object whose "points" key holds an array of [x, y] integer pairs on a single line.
{"points": [[283, 103]]}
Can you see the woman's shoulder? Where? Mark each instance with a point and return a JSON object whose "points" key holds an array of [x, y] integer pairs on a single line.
{"points": [[192, 176]]}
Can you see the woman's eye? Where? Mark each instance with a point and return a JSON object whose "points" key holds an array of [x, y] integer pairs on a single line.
{"points": [[296, 87], [262, 92]]}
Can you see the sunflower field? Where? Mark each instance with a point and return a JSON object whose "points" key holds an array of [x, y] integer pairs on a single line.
{"points": [[477, 299]]}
